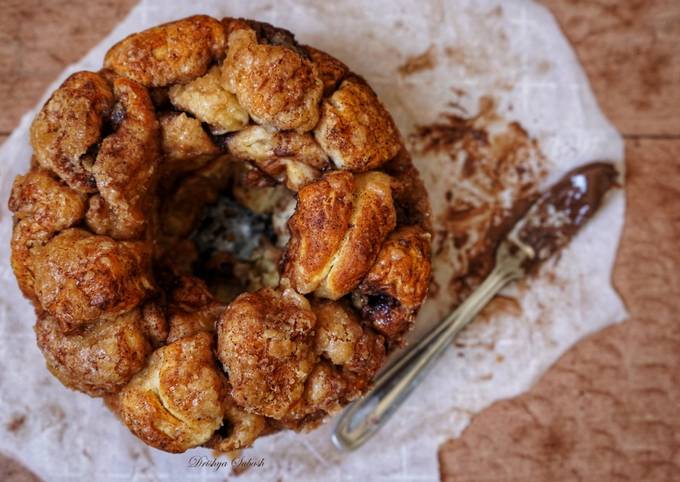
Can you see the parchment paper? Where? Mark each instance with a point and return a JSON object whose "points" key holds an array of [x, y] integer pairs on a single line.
{"points": [[512, 51]]}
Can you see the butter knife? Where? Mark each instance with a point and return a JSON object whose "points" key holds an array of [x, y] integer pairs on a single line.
{"points": [[547, 226]]}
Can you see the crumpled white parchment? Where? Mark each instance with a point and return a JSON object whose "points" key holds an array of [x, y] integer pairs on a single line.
{"points": [[512, 50]]}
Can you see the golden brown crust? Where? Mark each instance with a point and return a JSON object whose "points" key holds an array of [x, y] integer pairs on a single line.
{"points": [[43, 200], [355, 129], [186, 146], [317, 228], [402, 269], [84, 277], [287, 156], [395, 287], [239, 428], [209, 102], [176, 402], [331, 70], [408, 191], [27, 238], [277, 86], [372, 220], [68, 125], [98, 360], [336, 232], [325, 394], [345, 342], [42, 206], [350, 355], [126, 166], [154, 323], [192, 309], [175, 52], [264, 341]]}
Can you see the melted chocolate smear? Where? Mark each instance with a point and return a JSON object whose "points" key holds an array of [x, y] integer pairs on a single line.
{"points": [[16, 423], [498, 168], [417, 63], [561, 211], [445, 134]]}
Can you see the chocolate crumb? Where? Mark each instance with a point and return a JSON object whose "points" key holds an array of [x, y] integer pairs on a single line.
{"points": [[561, 211], [544, 67], [16, 423], [56, 412], [417, 63]]}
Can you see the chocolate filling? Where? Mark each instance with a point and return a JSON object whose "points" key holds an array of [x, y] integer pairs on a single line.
{"points": [[385, 313], [559, 212]]}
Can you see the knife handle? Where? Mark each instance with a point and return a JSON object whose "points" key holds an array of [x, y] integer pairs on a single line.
{"points": [[366, 416]]}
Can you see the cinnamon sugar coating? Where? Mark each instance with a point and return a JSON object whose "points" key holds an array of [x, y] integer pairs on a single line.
{"points": [[98, 359], [221, 233], [82, 277], [331, 70], [126, 165], [69, 125], [172, 53], [278, 86], [191, 309], [396, 285], [42, 206], [336, 232], [289, 157], [355, 130], [176, 402], [264, 341], [186, 145]]}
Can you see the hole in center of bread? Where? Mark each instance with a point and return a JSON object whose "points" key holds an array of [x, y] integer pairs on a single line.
{"points": [[240, 239]]}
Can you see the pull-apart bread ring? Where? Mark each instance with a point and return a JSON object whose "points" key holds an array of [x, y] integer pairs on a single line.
{"points": [[221, 232]]}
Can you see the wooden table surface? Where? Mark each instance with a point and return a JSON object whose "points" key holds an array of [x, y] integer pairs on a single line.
{"points": [[610, 408]]}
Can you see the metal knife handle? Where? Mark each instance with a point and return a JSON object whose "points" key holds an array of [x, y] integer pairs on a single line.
{"points": [[364, 417]]}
